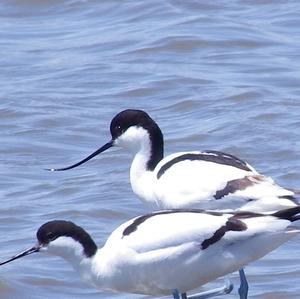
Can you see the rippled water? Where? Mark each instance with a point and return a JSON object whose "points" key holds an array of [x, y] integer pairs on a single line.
{"points": [[215, 75]]}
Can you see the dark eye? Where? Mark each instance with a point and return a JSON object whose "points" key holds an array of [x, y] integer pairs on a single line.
{"points": [[119, 130], [51, 236]]}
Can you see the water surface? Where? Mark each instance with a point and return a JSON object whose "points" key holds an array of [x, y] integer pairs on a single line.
{"points": [[221, 76]]}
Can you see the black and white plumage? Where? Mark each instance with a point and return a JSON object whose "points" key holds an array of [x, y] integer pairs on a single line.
{"points": [[206, 180], [210, 180], [192, 247]]}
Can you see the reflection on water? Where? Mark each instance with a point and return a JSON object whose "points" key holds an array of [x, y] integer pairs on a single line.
{"points": [[226, 73]]}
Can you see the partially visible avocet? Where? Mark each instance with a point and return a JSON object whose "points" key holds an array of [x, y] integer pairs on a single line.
{"points": [[167, 252]]}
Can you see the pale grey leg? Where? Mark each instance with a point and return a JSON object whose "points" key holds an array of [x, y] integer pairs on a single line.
{"points": [[226, 289]]}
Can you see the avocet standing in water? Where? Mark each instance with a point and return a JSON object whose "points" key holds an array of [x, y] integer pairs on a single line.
{"points": [[205, 180], [167, 252]]}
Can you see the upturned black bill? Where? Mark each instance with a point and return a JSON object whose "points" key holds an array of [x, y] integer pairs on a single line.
{"points": [[97, 152], [24, 253]]}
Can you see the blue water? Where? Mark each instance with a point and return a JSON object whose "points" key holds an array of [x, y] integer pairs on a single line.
{"points": [[221, 76]]}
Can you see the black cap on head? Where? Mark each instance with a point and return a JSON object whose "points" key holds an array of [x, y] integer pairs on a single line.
{"points": [[127, 118], [131, 117], [60, 228]]}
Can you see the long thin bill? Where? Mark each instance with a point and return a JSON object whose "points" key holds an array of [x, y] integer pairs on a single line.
{"points": [[97, 152], [24, 253]]}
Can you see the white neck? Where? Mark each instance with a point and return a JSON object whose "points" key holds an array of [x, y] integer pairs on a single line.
{"points": [[141, 179], [67, 248], [104, 271], [72, 251], [137, 140]]}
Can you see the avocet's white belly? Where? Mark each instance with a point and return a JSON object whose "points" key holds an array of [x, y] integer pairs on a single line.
{"points": [[178, 249], [183, 267]]}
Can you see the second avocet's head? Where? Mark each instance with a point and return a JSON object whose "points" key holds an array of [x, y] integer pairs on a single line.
{"points": [[64, 239], [131, 129]]}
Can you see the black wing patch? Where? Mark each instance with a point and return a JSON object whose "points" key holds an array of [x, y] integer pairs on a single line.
{"points": [[291, 214], [237, 185], [232, 224], [139, 220], [209, 156], [133, 226]]}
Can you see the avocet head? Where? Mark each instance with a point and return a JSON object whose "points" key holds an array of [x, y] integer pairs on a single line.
{"points": [[130, 129], [61, 238]]}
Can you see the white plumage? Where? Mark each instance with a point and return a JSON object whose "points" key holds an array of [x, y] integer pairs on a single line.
{"points": [[208, 180], [171, 244]]}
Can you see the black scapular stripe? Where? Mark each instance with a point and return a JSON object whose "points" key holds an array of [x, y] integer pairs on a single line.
{"points": [[209, 156], [139, 220], [235, 185], [291, 214], [232, 224]]}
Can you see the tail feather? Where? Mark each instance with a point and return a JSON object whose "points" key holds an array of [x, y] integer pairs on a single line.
{"points": [[291, 214]]}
